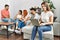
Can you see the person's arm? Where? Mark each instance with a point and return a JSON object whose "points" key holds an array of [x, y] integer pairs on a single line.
{"points": [[4, 14], [50, 21], [9, 15], [15, 16], [26, 19]]}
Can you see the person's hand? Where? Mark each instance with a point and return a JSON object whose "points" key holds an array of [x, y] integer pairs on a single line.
{"points": [[42, 24]]}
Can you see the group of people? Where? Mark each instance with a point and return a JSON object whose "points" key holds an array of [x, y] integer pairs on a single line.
{"points": [[22, 19]]}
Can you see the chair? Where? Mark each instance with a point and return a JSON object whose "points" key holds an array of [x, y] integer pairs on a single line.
{"points": [[27, 30]]}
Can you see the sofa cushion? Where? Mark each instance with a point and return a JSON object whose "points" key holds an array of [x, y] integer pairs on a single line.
{"points": [[28, 30]]}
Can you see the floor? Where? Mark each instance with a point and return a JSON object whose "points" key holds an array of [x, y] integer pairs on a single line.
{"points": [[19, 37]]}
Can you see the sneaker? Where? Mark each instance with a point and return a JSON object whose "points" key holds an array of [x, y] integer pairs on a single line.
{"points": [[12, 30], [18, 32]]}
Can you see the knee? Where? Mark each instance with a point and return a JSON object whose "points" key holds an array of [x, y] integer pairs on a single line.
{"points": [[34, 28], [39, 29]]}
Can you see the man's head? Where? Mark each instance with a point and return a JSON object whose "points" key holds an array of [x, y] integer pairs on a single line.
{"points": [[33, 10], [6, 6]]}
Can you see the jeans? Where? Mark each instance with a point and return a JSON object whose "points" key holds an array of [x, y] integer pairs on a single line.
{"points": [[40, 30], [28, 22], [8, 20], [21, 24]]}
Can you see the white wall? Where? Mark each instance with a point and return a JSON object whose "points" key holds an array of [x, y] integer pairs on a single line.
{"points": [[15, 5], [57, 5], [23, 4], [26, 4]]}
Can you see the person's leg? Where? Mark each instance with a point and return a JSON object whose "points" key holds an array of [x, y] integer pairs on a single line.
{"points": [[16, 23], [43, 29], [28, 22], [4, 20], [34, 31], [21, 24]]}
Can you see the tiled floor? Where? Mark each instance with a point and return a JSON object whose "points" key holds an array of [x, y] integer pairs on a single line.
{"points": [[18, 37]]}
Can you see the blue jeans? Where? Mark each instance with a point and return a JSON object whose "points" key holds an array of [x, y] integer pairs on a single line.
{"points": [[8, 20], [40, 30], [21, 24]]}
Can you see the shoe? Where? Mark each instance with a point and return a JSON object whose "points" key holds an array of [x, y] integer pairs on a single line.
{"points": [[17, 31], [12, 30]]}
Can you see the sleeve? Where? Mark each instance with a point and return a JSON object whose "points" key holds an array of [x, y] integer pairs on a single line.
{"points": [[37, 16], [51, 14], [28, 16], [41, 13]]}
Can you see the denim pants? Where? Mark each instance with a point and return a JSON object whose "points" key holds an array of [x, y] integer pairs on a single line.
{"points": [[21, 24], [40, 30], [8, 20]]}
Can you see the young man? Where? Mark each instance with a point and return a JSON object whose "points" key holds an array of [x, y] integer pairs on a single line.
{"points": [[5, 15], [34, 15], [5, 12]]}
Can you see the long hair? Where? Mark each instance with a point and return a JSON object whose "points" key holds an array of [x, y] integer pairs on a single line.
{"points": [[46, 5], [25, 13]]}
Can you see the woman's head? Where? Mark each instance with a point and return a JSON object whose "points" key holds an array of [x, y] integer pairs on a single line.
{"points": [[25, 13], [20, 12], [45, 6]]}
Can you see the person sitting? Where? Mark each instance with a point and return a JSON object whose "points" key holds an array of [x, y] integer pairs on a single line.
{"points": [[18, 17], [5, 13], [22, 22], [5, 16], [46, 21]]}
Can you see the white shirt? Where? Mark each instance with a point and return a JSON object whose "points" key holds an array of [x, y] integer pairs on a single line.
{"points": [[19, 16], [45, 16]]}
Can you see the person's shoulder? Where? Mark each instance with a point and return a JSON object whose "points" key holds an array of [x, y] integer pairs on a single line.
{"points": [[36, 14], [42, 13], [2, 9], [51, 13]]}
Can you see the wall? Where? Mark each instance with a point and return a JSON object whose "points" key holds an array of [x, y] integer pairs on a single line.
{"points": [[57, 11], [15, 5], [26, 4], [23, 4]]}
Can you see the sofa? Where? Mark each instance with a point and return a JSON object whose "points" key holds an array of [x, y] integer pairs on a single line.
{"points": [[56, 28], [27, 30]]}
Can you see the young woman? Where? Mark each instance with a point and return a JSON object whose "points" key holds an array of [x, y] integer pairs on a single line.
{"points": [[45, 21], [18, 20], [22, 21], [18, 17]]}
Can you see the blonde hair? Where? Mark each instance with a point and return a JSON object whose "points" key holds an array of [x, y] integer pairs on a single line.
{"points": [[46, 5]]}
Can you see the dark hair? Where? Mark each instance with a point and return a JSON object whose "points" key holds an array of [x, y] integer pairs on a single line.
{"points": [[20, 11], [33, 9], [46, 5], [6, 5]]}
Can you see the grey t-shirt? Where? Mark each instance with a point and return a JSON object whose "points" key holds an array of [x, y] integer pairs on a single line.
{"points": [[36, 16]]}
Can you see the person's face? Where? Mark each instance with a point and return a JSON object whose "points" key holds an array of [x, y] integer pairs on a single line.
{"points": [[43, 7], [32, 12], [7, 7], [19, 12]]}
